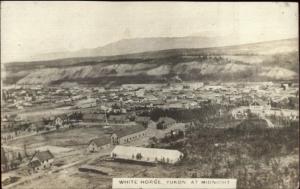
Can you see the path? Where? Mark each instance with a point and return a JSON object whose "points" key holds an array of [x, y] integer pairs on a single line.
{"points": [[270, 124]]}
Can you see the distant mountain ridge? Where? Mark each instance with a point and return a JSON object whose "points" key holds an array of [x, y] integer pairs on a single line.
{"points": [[138, 45]]}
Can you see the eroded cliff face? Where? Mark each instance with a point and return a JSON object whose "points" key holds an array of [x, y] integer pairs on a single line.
{"points": [[263, 61]]}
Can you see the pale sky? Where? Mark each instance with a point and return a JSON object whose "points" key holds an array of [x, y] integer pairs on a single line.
{"points": [[30, 28]]}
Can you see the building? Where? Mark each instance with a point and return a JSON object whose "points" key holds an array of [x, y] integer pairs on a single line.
{"points": [[259, 108], [11, 118], [61, 120], [283, 113], [28, 98], [175, 134], [78, 97], [41, 160], [151, 97], [165, 122], [58, 121], [240, 112], [180, 127], [147, 155], [290, 114], [177, 131], [127, 134], [140, 93], [143, 86], [193, 85], [213, 87], [34, 127], [88, 103], [286, 86], [97, 144], [176, 86]]}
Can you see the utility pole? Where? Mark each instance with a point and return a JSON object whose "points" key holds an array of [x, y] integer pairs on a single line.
{"points": [[105, 116], [25, 150]]}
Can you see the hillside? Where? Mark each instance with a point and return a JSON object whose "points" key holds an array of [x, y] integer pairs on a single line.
{"points": [[138, 45], [274, 60]]}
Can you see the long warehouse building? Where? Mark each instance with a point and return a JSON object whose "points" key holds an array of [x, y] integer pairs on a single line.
{"points": [[148, 155]]}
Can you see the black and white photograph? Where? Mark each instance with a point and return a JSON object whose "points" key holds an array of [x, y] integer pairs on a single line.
{"points": [[160, 95]]}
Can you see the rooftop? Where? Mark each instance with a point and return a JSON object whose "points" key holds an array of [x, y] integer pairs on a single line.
{"points": [[127, 151], [43, 155]]}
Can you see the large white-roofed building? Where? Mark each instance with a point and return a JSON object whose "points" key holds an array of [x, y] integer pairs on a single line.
{"points": [[148, 155]]}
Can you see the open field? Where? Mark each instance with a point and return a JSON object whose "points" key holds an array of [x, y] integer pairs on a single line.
{"points": [[36, 114], [64, 138], [54, 149]]}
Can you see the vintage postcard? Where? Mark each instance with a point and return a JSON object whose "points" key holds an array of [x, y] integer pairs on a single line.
{"points": [[152, 95]]}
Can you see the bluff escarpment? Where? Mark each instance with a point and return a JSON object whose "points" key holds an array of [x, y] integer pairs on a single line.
{"points": [[268, 61]]}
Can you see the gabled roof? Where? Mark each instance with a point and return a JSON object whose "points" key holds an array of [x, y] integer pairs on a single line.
{"points": [[259, 102], [43, 156], [11, 118]]}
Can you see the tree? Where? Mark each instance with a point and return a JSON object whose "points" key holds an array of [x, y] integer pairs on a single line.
{"points": [[19, 157], [25, 150], [139, 156], [46, 121], [4, 159]]}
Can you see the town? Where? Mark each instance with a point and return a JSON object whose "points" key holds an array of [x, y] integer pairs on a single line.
{"points": [[101, 95], [127, 129]]}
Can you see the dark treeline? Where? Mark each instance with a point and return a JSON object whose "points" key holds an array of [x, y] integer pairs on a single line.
{"points": [[185, 115], [250, 152]]}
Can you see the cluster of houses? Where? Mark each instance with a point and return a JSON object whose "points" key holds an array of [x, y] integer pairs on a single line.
{"points": [[170, 95], [133, 153], [120, 106], [39, 160], [128, 134], [117, 136], [21, 97], [264, 110], [121, 138]]}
